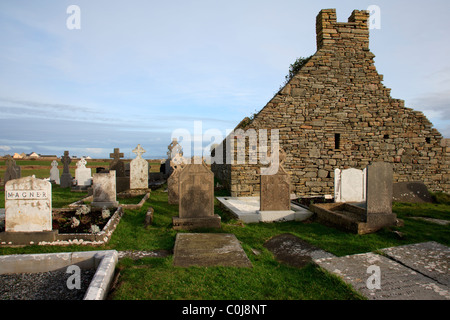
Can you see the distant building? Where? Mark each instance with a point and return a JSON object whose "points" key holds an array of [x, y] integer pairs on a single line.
{"points": [[33, 155], [17, 156]]}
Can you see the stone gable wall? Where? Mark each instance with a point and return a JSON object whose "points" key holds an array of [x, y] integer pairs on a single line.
{"points": [[339, 95]]}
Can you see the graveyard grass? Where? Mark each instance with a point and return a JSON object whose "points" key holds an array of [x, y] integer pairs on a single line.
{"points": [[156, 278]]}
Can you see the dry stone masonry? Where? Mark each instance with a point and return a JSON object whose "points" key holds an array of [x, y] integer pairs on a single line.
{"points": [[336, 113]]}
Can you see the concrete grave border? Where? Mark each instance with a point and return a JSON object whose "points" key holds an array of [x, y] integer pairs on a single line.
{"points": [[103, 261]]}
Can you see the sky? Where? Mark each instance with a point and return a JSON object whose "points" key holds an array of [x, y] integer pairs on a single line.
{"points": [[137, 72]]}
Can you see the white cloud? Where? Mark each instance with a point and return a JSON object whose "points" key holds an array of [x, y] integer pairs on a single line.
{"points": [[5, 148]]}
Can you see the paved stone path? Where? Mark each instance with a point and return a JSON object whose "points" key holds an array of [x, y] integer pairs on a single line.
{"points": [[410, 272]]}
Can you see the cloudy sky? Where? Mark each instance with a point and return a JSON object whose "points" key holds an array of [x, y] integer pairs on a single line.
{"points": [[136, 71]]}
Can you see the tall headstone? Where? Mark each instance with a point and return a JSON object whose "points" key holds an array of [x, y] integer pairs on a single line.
{"points": [[379, 195], [104, 189], [28, 205], [66, 177], [122, 181], [54, 172], [12, 171], [349, 185], [82, 174], [174, 148], [139, 170], [196, 199], [177, 163], [275, 192]]}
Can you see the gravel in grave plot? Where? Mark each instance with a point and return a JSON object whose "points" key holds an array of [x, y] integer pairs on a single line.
{"points": [[50, 285]]}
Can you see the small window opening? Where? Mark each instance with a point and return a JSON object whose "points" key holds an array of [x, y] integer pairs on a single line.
{"points": [[337, 140], [386, 136], [428, 140]]}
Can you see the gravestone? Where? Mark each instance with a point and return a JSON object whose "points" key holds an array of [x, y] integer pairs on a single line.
{"points": [[83, 174], [66, 177], [275, 192], [138, 170], [177, 163], [379, 195], [173, 149], [196, 199], [54, 172], [412, 192], [122, 181], [349, 185], [104, 190], [12, 171], [28, 205]]}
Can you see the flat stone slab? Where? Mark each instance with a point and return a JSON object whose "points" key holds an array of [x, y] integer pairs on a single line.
{"points": [[397, 281], [209, 249], [247, 210], [294, 251], [429, 258], [432, 220]]}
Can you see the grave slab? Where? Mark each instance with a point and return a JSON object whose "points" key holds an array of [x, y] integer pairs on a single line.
{"points": [[209, 249], [292, 250], [397, 282], [247, 210], [429, 258]]}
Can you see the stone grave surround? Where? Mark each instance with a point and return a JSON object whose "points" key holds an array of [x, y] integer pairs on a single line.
{"points": [[82, 174], [139, 170], [177, 163], [196, 199], [28, 205], [13, 171], [66, 177], [54, 172], [104, 189]]}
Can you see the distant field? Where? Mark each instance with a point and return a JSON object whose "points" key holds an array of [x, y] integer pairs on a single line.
{"points": [[41, 168]]}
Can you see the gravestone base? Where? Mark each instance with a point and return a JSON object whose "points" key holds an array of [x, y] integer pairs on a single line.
{"points": [[27, 238], [196, 223], [65, 180]]}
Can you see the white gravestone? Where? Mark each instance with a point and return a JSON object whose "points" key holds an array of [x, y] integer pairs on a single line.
{"points": [[349, 185], [138, 170], [54, 172], [82, 174], [28, 205]]}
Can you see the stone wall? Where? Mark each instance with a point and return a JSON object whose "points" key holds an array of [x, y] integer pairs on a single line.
{"points": [[336, 113]]}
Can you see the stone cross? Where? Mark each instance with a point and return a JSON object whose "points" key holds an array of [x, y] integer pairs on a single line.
{"points": [[116, 155], [65, 159], [13, 171], [139, 151]]}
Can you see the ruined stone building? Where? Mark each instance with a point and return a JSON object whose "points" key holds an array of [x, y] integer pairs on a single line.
{"points": [[336, 113]]}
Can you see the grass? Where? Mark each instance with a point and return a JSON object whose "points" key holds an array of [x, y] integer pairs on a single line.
{"points": [[157, 278]]}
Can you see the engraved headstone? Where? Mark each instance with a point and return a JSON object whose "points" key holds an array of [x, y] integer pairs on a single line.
{"points": [[54, 172], [66, 177], [196, 199], [28, 205], [349, 185], [275, 192], [177, 163], [104, 189], [138, 170]]}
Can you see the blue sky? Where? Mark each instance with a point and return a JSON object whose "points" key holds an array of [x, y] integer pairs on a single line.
{"points": [[138, 70]]}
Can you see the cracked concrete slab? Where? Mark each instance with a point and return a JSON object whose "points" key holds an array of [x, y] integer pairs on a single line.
{"points": [[396, 281]]}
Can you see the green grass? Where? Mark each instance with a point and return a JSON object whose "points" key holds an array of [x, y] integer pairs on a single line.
{"points": [[157, 278]]}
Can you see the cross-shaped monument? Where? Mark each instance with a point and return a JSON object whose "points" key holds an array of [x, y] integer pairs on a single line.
{"points": [[66, 177]]}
